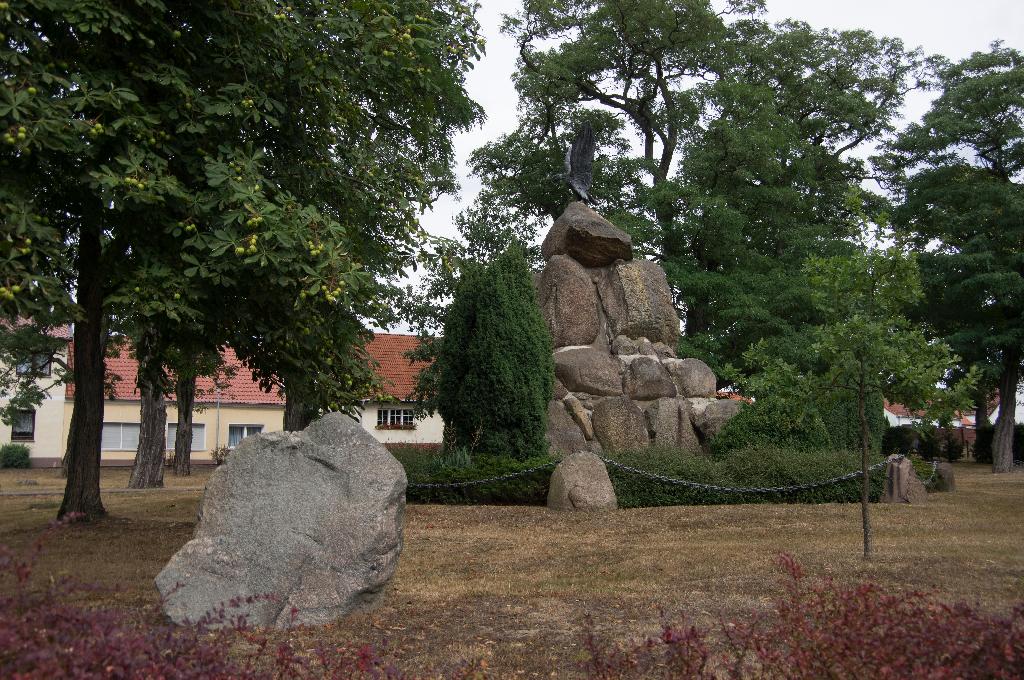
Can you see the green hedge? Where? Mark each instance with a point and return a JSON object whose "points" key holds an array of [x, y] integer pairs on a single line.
{"points": [[769, 423], [14, 456], [745, 468], [436, 468], [983, 444], [765, 467]]}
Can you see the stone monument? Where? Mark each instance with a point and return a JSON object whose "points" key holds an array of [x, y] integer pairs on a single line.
{"points": [[619, 382]]}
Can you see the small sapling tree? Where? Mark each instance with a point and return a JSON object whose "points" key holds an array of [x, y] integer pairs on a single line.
{"points": [[866, 345]]}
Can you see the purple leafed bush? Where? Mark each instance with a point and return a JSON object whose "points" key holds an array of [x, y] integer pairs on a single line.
{"points": [[816, 629], [44, 636], [822, 630]]}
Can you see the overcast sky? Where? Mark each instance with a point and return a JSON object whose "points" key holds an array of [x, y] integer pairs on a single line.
{"points": [[953, 28]]}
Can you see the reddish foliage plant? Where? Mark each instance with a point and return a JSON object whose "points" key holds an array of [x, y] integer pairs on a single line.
{"points": [[42, 635], [822, 630]]}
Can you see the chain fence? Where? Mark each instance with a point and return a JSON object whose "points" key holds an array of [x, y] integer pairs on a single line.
{"points": [[678, 482], [488, 480]]}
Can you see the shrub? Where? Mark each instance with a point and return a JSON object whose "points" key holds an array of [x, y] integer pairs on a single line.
{"points": [[772, 423], [901, 439], [460, 466], [983, 444], [495, 367], [764, 467], [14, 456], [220, 455], [842, 422], [819, 630]]}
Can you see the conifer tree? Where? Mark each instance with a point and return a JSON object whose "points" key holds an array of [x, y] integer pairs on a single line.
{"points": [[495, 368]]}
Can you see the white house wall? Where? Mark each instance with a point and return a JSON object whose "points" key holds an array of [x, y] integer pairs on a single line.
{"points": [[49, 425], [1018, 414], [429, 430]]}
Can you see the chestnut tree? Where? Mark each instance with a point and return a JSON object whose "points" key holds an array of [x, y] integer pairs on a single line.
{"points": [[246, 173]]}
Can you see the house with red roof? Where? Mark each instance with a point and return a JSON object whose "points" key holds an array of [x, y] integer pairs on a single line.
{"points": [[40, 428], [228, 408]]}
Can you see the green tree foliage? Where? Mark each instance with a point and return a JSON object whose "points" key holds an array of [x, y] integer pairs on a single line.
{"points": [[494, 367], [747, 137], [963, 211], [839, 415], [243, 173]]}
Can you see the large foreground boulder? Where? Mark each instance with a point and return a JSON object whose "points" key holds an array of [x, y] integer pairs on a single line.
{"points": [[581, 482], [296, 528], [902, 485]]}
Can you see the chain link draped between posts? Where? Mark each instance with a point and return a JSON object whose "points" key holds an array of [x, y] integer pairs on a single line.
{"points": [[678, 482], [500, 478]]}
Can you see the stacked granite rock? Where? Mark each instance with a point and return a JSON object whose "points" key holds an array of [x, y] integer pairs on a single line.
{"points": [[619, 382]]}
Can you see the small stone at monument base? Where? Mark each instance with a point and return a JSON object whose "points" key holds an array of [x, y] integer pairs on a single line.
{"points": [[581, 483], [902, 485], [296, 528], [944, 479]]}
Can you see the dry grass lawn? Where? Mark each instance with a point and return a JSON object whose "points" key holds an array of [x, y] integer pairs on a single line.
{"points": [[513, 585]]}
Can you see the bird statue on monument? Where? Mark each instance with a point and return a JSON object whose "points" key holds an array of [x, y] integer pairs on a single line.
{"points": [[579, 163]]}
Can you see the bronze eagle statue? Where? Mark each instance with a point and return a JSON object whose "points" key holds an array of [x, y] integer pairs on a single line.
{"points": [[579, 163]]}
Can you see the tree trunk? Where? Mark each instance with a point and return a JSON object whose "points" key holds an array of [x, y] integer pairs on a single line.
{"points": [[865, 482], [148, 471], [185, 393], [1002, 439], [297, 415], [981, 408], [82, 458]]}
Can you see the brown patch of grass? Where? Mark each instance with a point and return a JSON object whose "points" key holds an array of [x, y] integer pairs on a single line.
{"points": [[513, 584], [50, 479]]}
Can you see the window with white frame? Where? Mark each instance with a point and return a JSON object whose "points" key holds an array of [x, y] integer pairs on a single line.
{"points": [[198, 436], [236, 433], [395, 419], [23, 429], [120, 437]]}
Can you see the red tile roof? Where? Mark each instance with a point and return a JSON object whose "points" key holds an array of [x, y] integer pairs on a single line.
{"points": [[62, 332], [398, 375], [240, 388], [902, 411]]}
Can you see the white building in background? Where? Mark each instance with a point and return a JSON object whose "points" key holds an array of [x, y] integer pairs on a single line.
{"points": [[41, 428], [1018, 414]]}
